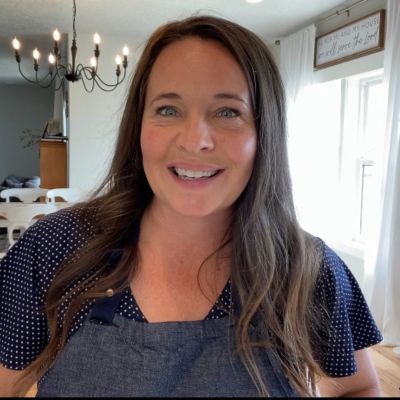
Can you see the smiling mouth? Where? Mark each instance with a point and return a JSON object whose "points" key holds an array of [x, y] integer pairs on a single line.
{"points": [[188, 174]]}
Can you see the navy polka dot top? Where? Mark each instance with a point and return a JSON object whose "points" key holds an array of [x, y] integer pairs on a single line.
{"points": [[29, 267]]}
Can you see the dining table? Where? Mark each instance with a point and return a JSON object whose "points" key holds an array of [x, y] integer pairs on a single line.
{"points": [[21, 215]]}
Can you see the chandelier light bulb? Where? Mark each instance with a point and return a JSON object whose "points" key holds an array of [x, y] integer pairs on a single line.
{"points": [[56, 35], [52, 59], [96, 38], [16, 44], [36, 54], [118, 60], [125, 51], [93, 62]]}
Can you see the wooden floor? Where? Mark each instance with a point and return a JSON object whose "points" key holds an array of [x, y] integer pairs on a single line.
{"points": [[387, 364]]}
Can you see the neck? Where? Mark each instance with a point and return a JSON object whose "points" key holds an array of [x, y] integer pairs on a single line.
{"points": [[182, 239], [179, 276]]}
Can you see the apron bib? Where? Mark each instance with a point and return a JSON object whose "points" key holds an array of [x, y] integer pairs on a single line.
{"points": [[113, 356]]}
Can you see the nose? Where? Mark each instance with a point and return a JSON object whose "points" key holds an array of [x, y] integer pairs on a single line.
{"points": [[195, 135]]}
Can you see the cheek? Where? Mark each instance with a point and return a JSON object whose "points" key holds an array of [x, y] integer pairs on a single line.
{"points": [[149, 143], [144, 144], [246, 151]]}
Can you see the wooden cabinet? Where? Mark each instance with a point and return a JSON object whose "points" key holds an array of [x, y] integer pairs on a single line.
{"points": [[53, 164]]}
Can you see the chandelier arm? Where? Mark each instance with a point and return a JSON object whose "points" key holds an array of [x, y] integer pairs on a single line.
{"points": [[85, 71], [87, 90], [46, 85], [54, 76], [108, 88], [61, 84], [123, 77], [40, 81], [115, 84], [61, 67], [69, 68], [36, 81]]}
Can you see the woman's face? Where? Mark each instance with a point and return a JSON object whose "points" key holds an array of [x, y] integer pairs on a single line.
{"points": [[198, 136]]}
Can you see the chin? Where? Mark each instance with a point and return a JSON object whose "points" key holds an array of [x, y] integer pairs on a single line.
{"points": [[200, 211]]}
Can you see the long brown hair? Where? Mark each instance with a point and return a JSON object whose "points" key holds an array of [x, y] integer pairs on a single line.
{"points": [[275, 264]]}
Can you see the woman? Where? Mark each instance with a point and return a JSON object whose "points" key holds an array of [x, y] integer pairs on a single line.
{"points": [[190, 276]]}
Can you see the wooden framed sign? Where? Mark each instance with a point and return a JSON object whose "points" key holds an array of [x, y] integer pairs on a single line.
{"points": [[355, 39]]}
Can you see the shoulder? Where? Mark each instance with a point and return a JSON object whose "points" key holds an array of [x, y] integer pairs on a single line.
{"points": [[60, 229], [68, 222], [351, 325], [43, 246], [334, 273], [336, 285], [26, 273], [336, 281]]}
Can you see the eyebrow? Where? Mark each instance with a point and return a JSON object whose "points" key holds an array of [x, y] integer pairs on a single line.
{"points": [[230, 96], [165, 96], [172, 95]]}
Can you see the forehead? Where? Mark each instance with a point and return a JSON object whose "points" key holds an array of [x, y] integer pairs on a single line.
{"points": [[199, 61]]}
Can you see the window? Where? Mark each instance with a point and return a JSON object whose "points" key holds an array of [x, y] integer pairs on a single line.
{"points": [[364, 96], [334, 157], [372, 128]]}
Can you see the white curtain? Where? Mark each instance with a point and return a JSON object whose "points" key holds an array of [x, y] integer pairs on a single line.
{"points": [[382, 283], [296, 67], [312, 182], [296, 61]]}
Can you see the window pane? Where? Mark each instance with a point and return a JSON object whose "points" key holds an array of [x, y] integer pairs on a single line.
{"points": [[367, 199], [374, 119]]}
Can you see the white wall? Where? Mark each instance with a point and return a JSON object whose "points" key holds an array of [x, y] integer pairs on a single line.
{"points": [[21, 107], [95, 117]]}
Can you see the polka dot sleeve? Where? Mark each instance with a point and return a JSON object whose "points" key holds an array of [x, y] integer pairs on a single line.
{"points": [[352, 326], [25, 275]]}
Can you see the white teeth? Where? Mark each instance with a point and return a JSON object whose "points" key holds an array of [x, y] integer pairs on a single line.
{"points": [[187, 173]]}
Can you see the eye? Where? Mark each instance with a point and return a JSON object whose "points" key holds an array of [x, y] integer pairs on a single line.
{"points": [[228, 113], [167, 111]]}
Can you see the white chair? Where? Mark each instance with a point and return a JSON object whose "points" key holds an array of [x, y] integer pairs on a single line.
{"points": [[4, 223], [21, 215], [70, 195], [28, 195]]}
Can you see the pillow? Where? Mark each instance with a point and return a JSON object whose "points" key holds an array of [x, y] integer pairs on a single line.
{"points": [[33, 182], [12, 183]]}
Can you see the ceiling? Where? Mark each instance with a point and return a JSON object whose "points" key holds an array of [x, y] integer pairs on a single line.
{"points": [[33, 21]]}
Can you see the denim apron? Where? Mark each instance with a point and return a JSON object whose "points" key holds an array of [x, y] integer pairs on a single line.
{"points": [[113, 356]]}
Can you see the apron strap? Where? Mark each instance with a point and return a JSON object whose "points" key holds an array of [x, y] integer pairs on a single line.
{"points": [[104, 309]]}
